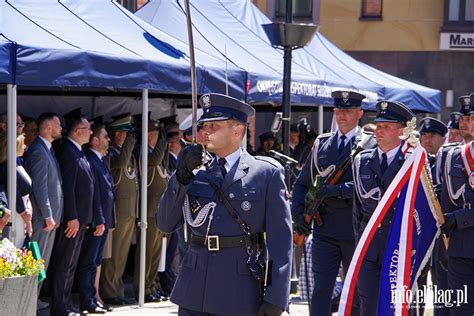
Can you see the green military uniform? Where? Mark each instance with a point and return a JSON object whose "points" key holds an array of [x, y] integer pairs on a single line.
{"points": [[123, 168], [157, 182]]}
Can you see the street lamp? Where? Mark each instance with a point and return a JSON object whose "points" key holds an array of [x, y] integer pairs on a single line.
{"points": [[288, 36]]}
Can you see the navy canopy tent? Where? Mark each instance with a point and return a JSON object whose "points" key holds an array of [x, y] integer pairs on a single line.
{"points": [[98, 44], [234, 29], [6, 52]]}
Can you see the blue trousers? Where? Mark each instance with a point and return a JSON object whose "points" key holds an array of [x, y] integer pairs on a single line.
{"points": [[460, 277], [89, 259], [327, 254]]}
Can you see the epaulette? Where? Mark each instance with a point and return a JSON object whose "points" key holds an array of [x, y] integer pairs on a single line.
{"points": [[366, 151], [450, 144], [270, 160], [326, 135]]}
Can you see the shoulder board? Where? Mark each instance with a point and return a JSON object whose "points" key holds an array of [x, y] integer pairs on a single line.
{"points": [[326, 135], [450, 145], [270, 160], [366, 151]]}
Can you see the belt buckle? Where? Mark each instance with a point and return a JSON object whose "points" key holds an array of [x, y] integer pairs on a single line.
{"points": [[213, 243]]}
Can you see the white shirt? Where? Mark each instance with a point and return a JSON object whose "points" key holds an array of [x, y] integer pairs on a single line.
{"points": [[390, 154], [348, 135], [75, 143], [98, 154], [232, 159], [48, 144]]}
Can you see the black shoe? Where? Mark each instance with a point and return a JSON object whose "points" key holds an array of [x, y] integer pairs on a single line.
{"points": [[164, 295], [105, 306], [94, 309], [151, 298], [116, 301]]}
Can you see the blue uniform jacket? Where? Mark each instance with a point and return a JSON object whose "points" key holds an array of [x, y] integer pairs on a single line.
{"points": [[78, 183], [220, 282], [370, 185], [457, 195], [336, 212], [104, 209]]}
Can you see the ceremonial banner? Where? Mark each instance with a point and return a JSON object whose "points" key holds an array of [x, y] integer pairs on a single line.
{"points": [[411, 239]]}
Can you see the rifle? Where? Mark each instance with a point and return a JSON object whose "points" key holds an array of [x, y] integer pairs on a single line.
{"points": [[312, 211]]}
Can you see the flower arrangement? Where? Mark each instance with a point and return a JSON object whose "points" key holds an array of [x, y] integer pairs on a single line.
{"points": [[15, 262]]}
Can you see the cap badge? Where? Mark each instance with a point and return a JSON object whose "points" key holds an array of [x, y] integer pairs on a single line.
{"points": [[467, 101], [383, 106], [345, 96], [206, 101], [427, 124]]}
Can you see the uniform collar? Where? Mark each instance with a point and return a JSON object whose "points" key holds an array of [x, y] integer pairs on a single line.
{"points": [[390, 154], [232, 159], [349, 135]]}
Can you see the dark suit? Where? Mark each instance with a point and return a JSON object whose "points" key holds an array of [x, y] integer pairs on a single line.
{"points": [[219, 282], [23, 186], [78, 187], [46, 196], [333, 242], [459, 200], [93, 246], [370, 184]]}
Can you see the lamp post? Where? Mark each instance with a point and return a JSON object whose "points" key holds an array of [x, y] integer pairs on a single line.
{"points": [[288, 36]]}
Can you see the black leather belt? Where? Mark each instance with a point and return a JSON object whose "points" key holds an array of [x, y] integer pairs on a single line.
{"points": [[385, 221], [215, 242]]}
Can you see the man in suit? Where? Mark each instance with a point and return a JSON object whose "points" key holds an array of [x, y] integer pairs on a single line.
{"points": [[123, 167], [103, 219], [220, 271], [47, 194], [373, 171], [333, 242], [78, 188], [457, 197], [157, 182]]}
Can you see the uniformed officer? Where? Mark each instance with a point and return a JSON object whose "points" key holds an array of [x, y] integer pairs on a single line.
{"points": [[374, 170], [439, 270], [457, 197], [156, 183], [268, 142], [229, 205], [333, 242], [123, 168], [454, 136]]}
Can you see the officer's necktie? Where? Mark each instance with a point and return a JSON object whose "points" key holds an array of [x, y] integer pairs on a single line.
{"points": [[222, 163], [342, 144], [384, 164]]}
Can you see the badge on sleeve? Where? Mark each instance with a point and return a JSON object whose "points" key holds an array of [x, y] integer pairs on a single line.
{"points": [[246, 206], [195, 206]]}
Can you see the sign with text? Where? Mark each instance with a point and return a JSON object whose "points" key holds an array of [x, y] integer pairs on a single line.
{"points": [[457, 41]]}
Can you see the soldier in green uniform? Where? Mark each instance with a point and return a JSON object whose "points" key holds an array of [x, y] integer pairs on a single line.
{"points": [[156, 183], [123, 167]]}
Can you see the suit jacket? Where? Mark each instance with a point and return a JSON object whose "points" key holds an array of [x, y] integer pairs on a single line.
{"points": [[78, 183], [256, 189], [459, 200], [336, 212], [23, 186], [103, 207], [47, 194]]}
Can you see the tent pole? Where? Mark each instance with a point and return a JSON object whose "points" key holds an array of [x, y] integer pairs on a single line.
{"points": [[11, 158], [320, 119], [143, 196]]}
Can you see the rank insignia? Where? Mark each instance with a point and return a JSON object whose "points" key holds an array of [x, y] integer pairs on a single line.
{"points": [[246, 206], [345, 96], [195, 206]]}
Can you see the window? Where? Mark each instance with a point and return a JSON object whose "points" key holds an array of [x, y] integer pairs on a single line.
{"points": [[301, 8], [458, 15], [371, 9]]}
